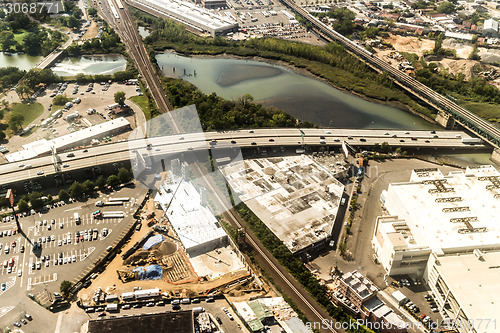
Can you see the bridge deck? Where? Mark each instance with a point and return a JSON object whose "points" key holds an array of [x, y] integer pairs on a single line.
{"points": [[122, 151]]}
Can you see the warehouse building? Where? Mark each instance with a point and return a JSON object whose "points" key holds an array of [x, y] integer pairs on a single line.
{"points": [[294, 196], [189, 14], [436, 213], [71, 140], [185, 207], [467, 288]]}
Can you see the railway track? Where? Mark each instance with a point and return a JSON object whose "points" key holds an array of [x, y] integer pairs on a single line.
{"points": [[481, 127], [129, 34]]}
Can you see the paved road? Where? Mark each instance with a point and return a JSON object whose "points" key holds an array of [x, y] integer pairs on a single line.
{"points": [[122, 151]]}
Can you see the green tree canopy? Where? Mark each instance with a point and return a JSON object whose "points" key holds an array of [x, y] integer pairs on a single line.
{"points": [[23, 206], [446, 8], [88, 186], [76, 190], [100, 182], [120, 97], [65, 287], [35, 200], [123, 175], [63, 195], [7, 40], [16, 122], [113, 180]]}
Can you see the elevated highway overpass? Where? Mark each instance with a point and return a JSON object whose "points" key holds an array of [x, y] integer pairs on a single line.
{"points": [[43, 167]]}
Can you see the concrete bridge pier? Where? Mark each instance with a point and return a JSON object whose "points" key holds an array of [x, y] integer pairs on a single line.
{"points": [[495, 156], [445, 120]]}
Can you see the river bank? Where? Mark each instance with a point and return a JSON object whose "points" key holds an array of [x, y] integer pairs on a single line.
{"points": [[307, 73]]}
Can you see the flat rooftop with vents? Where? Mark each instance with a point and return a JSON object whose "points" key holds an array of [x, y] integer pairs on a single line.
{"points": [[295, 197], [439, 213]]}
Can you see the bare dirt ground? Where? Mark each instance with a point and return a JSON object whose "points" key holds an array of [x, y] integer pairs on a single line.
{"points": [[109, 281], [91, 31], [463, 49], [410, 44], [458, 66]]}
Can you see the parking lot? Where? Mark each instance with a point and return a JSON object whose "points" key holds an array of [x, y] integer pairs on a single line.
{"points": [[52, 247], [267, 18], [98, 98]]}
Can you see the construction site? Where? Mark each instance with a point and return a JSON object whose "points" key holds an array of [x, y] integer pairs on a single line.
{"points": [[297, 198], [165, 253]]}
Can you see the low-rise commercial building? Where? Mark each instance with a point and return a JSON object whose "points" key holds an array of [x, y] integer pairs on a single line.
{"points": [[445, 229], [358, 296], [186, 209], [68, 141], [467, 288], [490, 28]]}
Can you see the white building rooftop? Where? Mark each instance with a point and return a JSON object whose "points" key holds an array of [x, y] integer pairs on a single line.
{"points": [[289, 195], [448, 213], [194, 223], [191, 14], [475, 285], [41, 147]]}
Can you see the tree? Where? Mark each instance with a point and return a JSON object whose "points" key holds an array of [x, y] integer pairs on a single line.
{"points": [[63, 195], [2, 135], [88, 186], [446, 8], [16, 122], [385, 147], [100, 182], [245, 99], [65, 287], [120, 97], [7, 40], [35, 200], [77, 12], [73, 22], [113, 180], [123, 175], [92, 11], [32, 44], [23, 91], [76, 190], [60, 100], [22, 205]]}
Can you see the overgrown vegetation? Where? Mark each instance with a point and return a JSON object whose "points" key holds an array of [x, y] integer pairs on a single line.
{"points": [[108, 43], [217, 113]]}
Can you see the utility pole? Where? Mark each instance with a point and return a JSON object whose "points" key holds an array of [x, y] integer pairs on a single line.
{"points": [[10, 196]]}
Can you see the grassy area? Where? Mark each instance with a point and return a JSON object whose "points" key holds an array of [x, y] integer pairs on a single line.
{"points": [[142, 102], [19, 36], [29, 112], [484, 110]]}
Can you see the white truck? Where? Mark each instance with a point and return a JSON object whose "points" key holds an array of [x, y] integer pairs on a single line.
{"points": [[110, 215], [471, 141], [109, 203], [119, 199], [76, 218], [112, 307]]}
